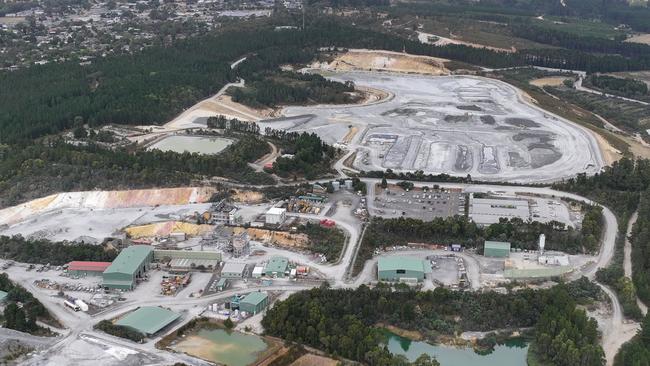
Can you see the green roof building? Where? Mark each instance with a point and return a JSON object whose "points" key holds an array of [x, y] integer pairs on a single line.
{"points": [[129, 265], [3, 296], [148, 320], [402, 269], [497, 249], [254, 302], [276, 267]]}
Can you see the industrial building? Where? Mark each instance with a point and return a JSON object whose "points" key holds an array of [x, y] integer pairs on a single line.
{"points": [[233, 270], [222, 284], [165, 255], [258, 271], [254, 302], [148, 320], [223, 213], [86, 268], [276, 267], [188, 265], [241, 245], [402, 269], [130, 264], [487, 211], [275, 216], [497, 249]]}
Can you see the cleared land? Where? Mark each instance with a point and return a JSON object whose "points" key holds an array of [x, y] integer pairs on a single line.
{"points": [[385, 61], [456, 125], [639, 38], [549, 81]]}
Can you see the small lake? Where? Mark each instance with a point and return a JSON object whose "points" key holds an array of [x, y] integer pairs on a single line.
{"points": [[512, 353], [224, 347], [192, 144]]}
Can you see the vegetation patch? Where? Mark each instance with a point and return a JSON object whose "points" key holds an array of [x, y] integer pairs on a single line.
{"points": [[23, 318], [44, 251], [348, 330], [107, 326]]}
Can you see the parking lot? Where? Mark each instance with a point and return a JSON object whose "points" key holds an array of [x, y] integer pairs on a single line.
{"points": [[426, 205]]}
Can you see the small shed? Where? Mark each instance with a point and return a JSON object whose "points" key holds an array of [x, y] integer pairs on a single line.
{"points": [[3, 296], [222, 284], [258, 271]]}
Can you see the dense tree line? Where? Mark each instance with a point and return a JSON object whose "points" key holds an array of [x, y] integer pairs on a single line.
{"points": [[640, 240], [566, 336], [626, 87], [34, 170], [22, 318], [119, 331], [342, 322], [271, 89], [44, 251], [311, 157], [618, 187], [327, 241]]}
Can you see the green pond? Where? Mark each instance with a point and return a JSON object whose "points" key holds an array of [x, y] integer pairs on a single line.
{"points": [[192, 144], [512, 353], [224, 347]]}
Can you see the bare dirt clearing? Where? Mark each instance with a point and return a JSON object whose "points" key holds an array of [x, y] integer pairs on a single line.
{"points": [[639, 38], [549, 81], [385, 61]]}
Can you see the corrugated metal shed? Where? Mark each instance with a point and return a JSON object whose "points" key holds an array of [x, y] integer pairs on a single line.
{"points": [[254, 302], [148, 319], [496, 249], [401, 268], [233, 270], [276, 266], [88, 266], [130, 264], [129, 259]]}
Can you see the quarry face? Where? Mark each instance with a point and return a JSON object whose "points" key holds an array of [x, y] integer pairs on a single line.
{"points": [[456, 125]]}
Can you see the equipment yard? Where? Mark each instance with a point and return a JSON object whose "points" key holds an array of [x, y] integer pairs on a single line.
{"points": [[457, 125]]}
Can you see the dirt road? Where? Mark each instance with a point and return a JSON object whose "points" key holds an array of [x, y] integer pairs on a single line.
{"points": [[627, 258]]}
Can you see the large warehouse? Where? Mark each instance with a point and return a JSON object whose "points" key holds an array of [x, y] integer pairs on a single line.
{"points": [[402, 269], [487, 211], [148, 320], [129, 265]]}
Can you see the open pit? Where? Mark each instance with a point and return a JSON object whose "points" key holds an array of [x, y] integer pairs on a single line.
{"points": [[456, 125]]}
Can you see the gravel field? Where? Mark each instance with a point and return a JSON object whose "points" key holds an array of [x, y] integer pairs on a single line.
{"points": [[457, 125]]}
